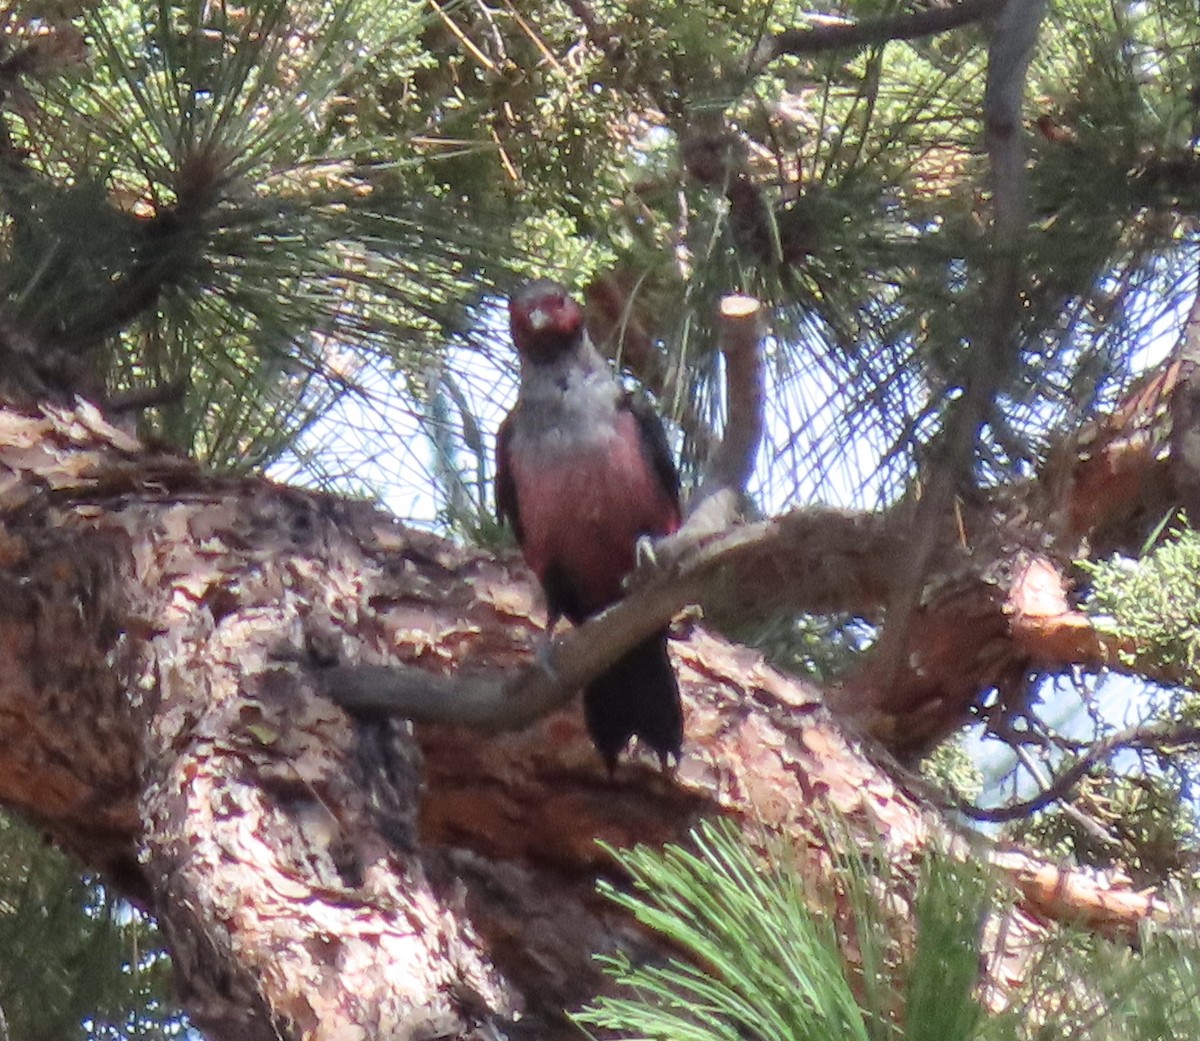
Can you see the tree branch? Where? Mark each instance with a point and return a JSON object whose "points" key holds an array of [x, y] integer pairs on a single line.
{"points": [[1057, 894], [823, 557], [995, 344], [1089, 824], [1152, 736], [1011, 48], [882, 30], [135, 399]]}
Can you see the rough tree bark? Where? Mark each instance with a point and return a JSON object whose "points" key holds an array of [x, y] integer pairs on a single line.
{"points": [[162, 638]]}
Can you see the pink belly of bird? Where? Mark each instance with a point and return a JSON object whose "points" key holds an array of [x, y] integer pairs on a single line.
{"points": [[587, 513]]}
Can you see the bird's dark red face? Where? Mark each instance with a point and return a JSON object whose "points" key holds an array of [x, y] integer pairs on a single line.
{"points": [[545, 321]]}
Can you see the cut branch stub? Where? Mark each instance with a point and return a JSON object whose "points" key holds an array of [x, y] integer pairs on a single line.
{"points": [[719, 500]]}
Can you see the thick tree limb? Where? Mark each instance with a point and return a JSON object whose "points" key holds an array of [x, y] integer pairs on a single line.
{"points": [[970, 635], [814, 555], [322, 885]]}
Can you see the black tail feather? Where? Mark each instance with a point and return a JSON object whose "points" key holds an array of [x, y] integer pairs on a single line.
{"points": [[637, 696]]}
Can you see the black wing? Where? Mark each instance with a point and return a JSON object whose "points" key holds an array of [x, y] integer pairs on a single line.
{"points": [[654, 439], [506, 488]]}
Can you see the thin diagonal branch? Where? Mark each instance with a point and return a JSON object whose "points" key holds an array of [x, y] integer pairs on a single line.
{"points": [[1089, 824], [1153, 736], [995, 345], [829, 556]]}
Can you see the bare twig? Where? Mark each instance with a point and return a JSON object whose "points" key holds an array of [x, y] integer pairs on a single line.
{"points": [[1153, 736], [1089, 824], [881, 30]]}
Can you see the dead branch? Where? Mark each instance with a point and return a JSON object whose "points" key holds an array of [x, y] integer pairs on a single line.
{"points": [[1111, 908], [138, 398], [823, 557], [1009, 53]]}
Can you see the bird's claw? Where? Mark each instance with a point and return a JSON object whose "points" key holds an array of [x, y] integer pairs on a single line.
{"points": [[643, 552]]}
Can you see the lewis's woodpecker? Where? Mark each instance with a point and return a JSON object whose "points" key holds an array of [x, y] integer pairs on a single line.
{"points": [[583, 471]]}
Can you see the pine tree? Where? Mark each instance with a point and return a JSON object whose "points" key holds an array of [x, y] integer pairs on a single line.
{"points": [[229, 228]]}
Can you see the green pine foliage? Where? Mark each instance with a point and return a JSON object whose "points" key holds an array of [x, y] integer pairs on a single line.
{"points": [[320, 192], [761, 959], [1155, 602], [74, 961], [760, 962], [235, 231], [1086, 989]]}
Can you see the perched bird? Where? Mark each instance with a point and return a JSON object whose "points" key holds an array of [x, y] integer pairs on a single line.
{"points": [[583, 471]]}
